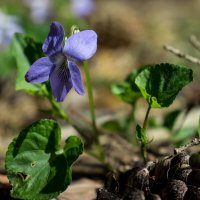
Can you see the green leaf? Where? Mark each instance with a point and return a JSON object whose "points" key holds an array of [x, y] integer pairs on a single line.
{"points": [[36, 165], [114, 125], [131, 79], [141, 135], [125, 93], [170, 118], [160, 84], [6, 63], [128, 90], [72, 149], [183, 134], [26, 51]]}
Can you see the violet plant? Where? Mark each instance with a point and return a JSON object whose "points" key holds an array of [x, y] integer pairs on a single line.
{"points": [[38, 167], [60, 66]]}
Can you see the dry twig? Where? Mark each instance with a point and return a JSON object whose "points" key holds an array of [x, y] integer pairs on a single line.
{"points": [[180, 54], [194, 142]]}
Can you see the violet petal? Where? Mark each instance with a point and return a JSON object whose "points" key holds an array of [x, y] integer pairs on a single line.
{"points": [[60, 82], [39, 71], [82, 45], [53, 43], [76, 77]]}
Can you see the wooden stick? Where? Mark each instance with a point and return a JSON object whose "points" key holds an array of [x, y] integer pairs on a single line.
{"points": [[180, 54], [194, 142]]}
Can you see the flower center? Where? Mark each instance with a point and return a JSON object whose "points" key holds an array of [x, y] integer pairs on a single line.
{"points": [[60, 60], [61, 66]]}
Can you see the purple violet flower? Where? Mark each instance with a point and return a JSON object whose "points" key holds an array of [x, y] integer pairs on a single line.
{"points": [[59, 67]]}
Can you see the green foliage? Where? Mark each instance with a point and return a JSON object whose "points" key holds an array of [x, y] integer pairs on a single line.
{"points": [[37, 167], [183, 134], [141, 135], [26, 51], [128, 90], [122, 126], [6, 63], [72, 149], [113, 125], [160, 83], [125, 93], [170, 119]]}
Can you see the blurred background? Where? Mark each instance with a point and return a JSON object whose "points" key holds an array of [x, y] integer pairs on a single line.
{"points": [[131, 33]]}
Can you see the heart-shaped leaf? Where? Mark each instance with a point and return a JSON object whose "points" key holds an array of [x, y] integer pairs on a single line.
{"points": [[160, 84], [37, 167]]}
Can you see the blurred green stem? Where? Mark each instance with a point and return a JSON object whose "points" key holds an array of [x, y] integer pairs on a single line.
{"points": [[57, 109], [91, 100], [146, 117], [145, 141]]}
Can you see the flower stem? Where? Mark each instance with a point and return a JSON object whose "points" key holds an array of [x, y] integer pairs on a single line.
{"points": [[146, 117], [58, 111], [145, 141], [90, 97]]}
